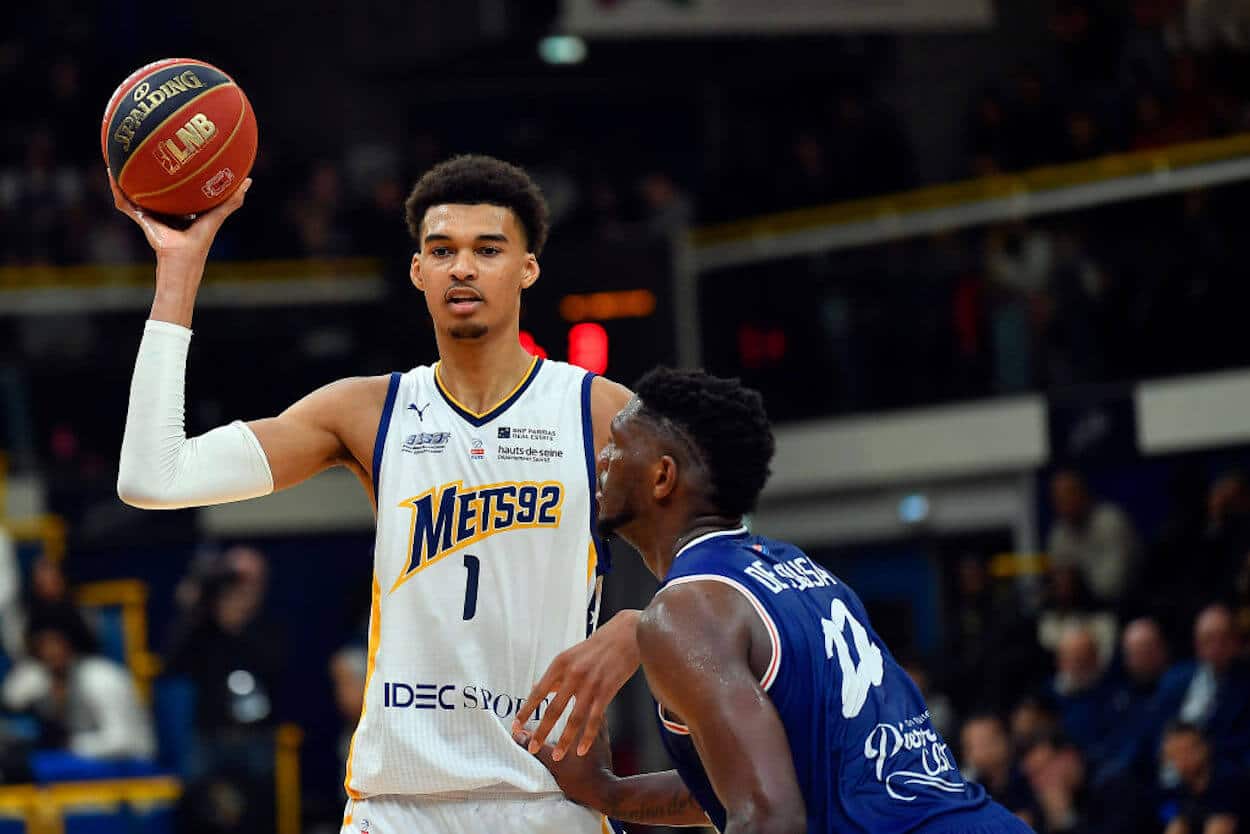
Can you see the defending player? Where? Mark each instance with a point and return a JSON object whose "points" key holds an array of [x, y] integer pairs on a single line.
{"points": [[778, 704], [481, 472]]}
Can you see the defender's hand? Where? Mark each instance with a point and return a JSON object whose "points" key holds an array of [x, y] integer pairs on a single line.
{"points": [[193, 241], [585, 780], [593, 672]]}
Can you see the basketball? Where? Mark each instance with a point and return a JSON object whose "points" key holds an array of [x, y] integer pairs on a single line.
{"points": [[179, 136]]}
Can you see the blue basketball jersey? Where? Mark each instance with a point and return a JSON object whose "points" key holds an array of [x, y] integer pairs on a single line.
{"points": [[866, 754]]}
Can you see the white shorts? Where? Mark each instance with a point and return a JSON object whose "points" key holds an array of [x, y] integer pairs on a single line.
{"points": [[422, 815]]}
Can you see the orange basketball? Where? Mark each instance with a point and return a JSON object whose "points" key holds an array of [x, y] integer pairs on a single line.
{"points": [[179, 136]]}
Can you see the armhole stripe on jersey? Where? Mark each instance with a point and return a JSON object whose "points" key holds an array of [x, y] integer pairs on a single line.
{"points": [[774, 636], [602, 557], [384, 424], [672, 726]]}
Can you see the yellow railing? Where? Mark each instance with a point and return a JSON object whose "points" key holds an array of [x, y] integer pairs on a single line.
{"points": [[43, 808], [131, 596], [1011, 565], [47, 529], [101, 275], [286, 778], [1004, 185]]}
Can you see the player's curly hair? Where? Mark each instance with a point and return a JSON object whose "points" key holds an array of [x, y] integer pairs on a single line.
{"points": [[473, 179], [727, 424]]}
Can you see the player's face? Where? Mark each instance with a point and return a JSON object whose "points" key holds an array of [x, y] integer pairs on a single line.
{"points": [[472, 266], [622, 472]]}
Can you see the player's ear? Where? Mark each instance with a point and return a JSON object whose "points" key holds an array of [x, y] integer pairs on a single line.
{"points": [[665, 478], [530, 272], [414, 271]]}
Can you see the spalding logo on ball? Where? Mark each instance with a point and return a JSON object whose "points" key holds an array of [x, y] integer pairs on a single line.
{"points": [[179, 136]]}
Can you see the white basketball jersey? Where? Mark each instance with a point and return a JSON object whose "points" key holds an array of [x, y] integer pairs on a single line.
{"points": [[485, 568]]}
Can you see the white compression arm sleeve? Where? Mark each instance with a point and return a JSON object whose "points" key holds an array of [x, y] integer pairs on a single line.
{"points": [[161, 469]]}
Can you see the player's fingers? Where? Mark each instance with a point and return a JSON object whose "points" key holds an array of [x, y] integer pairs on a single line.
{"points": [[547, 684], [573, 728], [120, 200], [232, 205], [214, 217], [544, 753], [528, 706], [591, 732], [554, 710]]}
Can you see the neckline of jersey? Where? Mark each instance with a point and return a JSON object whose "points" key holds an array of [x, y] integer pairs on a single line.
{"points": [[737, 531], [481, 418]]}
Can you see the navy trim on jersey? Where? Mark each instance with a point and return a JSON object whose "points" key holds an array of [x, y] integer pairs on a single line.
{"points": [[740, 530], [603, 564], [480, 420], [384, 423]]}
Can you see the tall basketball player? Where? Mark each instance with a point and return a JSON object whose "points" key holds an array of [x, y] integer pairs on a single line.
{"points": [[780, 707], [481, 470]]}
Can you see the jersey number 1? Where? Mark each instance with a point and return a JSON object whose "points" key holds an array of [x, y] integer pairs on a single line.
{"points": [[474, 566], [857, 678]]}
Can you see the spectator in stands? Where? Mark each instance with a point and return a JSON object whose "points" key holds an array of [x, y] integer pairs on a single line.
{"points": [[1067, 604], [1062, 801], [991, 657], [85, 700], [1031, 718], [986, 755], [12, 627], [1241, 601], [1094, 536], [1056, 775], [317, 215], [347, 672], [1079, 690], [1018, 261], [234, 656], [1032, 122], [1141, 701], [47, 594], [1216, 697], [669, 210], [1175, 553], [1083, 134], [44, 596], [1209, 797], [1228, 529], [987, 135], [941, 709]]}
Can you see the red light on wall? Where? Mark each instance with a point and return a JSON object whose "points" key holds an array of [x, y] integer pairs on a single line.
{"points": [[532, 347], [588, 347], [759, 347]]}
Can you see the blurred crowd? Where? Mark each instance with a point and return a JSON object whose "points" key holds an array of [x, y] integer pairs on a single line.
{"points": [[1118, 701], [1101, 296], [1113, 77], [76, 704]]}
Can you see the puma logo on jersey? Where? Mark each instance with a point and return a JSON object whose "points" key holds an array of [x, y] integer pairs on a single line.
{"points": [[450, 517]]}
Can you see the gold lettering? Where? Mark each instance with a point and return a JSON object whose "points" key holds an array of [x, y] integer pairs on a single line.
{"points": [[191, 137], [204, 125], [180, 154]]}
